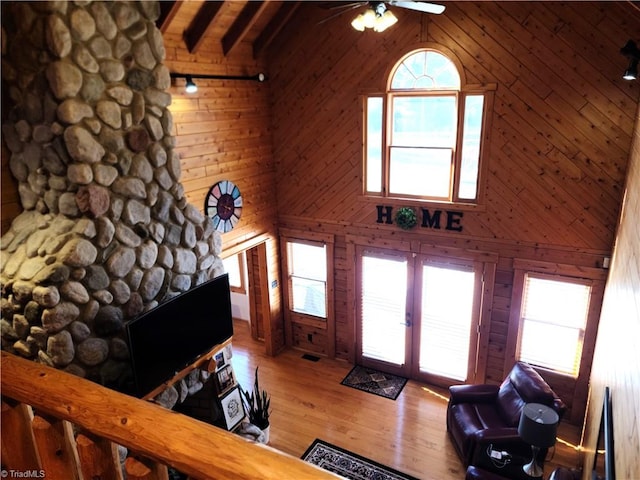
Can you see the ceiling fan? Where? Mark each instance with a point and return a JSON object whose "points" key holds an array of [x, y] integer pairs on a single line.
{"points": [[378, 16]]}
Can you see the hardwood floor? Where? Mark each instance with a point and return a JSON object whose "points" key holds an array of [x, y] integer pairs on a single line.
{"points": [[408, 434]]}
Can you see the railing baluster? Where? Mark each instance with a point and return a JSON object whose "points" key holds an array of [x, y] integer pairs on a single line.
{"points": [[19, 450], [56, 446], [98, 458]]}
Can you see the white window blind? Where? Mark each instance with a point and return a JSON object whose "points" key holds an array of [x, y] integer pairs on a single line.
{"points": [[447, 315], [384, 293], [553, 319]]}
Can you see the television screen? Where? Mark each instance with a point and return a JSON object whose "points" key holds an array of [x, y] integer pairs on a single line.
{"points": [[171, 336], [603, 465]]}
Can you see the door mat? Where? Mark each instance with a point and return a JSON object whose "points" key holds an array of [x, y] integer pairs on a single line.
{"points": [[374, 381], [349, 465]]}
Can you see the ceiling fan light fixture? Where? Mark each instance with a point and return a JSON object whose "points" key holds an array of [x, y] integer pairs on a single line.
{"points": [[369, 18], [358, 23], [385, 21], [377, 17]]}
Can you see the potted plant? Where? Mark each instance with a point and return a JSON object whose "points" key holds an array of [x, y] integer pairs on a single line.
{"points": [[257, 404]]}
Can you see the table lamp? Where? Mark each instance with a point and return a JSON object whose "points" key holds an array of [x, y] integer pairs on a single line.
{"points": [[538, 426]]}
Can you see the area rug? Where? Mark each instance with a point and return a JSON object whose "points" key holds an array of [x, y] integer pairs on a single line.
{"points": [[374, 381], [349, 465]]}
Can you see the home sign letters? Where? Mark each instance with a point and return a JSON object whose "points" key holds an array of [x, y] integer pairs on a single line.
{"points": [[438, 219]]}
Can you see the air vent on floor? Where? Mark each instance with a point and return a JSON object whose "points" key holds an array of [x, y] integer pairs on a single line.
{"points": [[311, 358]]}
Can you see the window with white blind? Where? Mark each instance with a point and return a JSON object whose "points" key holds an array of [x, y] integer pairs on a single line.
{"points": [[553, 318], [307, 263]]}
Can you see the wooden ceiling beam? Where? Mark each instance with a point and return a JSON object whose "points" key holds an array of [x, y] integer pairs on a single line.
{"points": [[168, 10], [195, 33], [247, 18], [276, 24]]}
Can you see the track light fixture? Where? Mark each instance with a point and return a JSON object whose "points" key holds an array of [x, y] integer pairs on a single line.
{"points": [[630, 50], [191, 87]]}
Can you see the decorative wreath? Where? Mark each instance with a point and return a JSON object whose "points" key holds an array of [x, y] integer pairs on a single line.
{"points": [[406, 218]]}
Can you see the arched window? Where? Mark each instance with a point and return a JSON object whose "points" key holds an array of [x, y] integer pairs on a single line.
{"points": [[424, 135]]}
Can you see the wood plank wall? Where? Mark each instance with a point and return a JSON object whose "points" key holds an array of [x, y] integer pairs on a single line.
{"points": [[616, 362], [559, 141], [223, 132]]}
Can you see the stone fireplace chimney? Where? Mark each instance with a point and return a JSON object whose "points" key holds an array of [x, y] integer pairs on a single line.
{"points": [[106, 231]]}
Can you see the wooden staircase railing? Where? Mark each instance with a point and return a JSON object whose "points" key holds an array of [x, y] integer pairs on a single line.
{"points": [[61, 427]]}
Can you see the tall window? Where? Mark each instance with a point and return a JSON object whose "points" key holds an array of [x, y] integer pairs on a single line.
{"points": [[553, 318], [307, 278], [424, 136]]}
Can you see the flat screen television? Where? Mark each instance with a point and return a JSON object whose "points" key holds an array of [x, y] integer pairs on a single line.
{"points": [[603, 463], [174, 334]]}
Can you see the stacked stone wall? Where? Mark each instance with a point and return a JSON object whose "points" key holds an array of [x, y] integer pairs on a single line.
{"points": [[106, 231]]}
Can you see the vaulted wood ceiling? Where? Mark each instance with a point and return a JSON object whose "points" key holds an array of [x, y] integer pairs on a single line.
{"points": [[226, 22]]}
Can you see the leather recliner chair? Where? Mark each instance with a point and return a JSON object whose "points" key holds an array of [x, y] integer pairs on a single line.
{"points": [[479, 416]]}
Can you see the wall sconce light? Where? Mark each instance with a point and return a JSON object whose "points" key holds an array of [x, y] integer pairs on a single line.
{"points": [[191, 87], [377, 16], [630, 50]]}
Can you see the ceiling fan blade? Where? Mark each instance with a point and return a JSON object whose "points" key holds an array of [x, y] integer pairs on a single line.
{"points": [[345, 8], [419, 6], [344, 5]]}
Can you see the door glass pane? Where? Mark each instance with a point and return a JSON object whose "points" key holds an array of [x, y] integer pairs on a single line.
{"points": [[384, 293], [445, 329]]}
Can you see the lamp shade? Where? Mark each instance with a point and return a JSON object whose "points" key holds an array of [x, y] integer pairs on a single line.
{"points": [[538, 425]]}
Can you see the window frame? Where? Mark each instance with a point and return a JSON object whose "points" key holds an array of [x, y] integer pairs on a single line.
{"points": [[293, 318], [581, 331], [291, 275], [486, 90], [240, 259], [575, 387], [485, 262]]}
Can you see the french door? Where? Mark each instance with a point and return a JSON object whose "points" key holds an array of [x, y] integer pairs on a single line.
{"points": [[418, 315]]}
